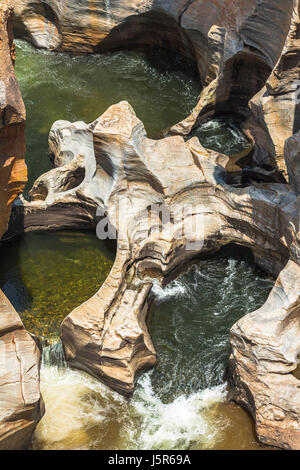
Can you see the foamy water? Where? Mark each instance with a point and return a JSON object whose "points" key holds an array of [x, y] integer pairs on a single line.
{"points": [[174, 290], [176, 405], [222, 135]]}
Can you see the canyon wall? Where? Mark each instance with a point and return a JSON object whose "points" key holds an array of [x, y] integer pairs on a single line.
{"points": [[13, 172], [112, 165], [236, 44], [213, 31], [21, 406], [247, 53]]}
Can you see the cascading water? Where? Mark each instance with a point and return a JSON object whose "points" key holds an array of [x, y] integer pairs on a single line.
{"points": [[180, 404], [82, 413], [109, 16], [222, 135], [85, 86]]}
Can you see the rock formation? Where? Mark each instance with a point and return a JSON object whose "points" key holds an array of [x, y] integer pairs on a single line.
{"points": [[111, 164], [247, 55], [13, 173], [235, 43], [266, 343], [20, 400], [21, 406]]}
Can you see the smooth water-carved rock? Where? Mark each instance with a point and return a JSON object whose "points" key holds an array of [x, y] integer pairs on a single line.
{"points": [[238, 40], [245, 51], [265, 352], [266, 344], [262, 41], [235, 45], [276, 108], [21, 405], [292, 161], [195, 212]]}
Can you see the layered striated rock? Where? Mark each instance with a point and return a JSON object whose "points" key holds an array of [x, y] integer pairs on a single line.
{"points": [[13, 173], [275, 110], [247, 55], [265, 344], [21, 406], [265, 353], [235, 44], [292, 161], [231, 37], [169, 203]]}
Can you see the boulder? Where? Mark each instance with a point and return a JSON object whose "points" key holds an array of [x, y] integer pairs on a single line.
{"points": [[13, 172], [21, 406]]}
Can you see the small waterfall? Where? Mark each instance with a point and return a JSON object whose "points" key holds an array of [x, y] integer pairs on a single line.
{"points": [[109, 15], [53, 355]]}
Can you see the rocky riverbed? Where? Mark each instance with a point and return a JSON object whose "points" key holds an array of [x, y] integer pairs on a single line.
{"points": [[246, 57]]}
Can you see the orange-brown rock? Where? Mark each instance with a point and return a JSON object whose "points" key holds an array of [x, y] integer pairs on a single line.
{"points": [[235, 44], [111, 164], [13, 173], [21, 406]]}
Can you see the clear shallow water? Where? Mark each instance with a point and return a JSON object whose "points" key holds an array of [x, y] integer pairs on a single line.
{"points": [[181, 404], [47, 275], [74, 88]]}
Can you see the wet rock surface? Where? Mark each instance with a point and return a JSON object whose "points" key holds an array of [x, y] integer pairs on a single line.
{"points": [[20, 400], [126, 173], [21, 405], [247, 56]]}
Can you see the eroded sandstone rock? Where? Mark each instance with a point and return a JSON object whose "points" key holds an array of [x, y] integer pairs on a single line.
{"points": [[266, 347], [21, 406], [235, 44], [111, 162], [265, 352], [13, 173], [125, 173], [275, 110]]}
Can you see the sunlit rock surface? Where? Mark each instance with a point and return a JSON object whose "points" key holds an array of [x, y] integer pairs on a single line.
{"points": [[21, 406], [235, 44], [112, 164], [247, 56], [265, 350], [20, 400], [13, 173], [266, 346], [276, 107]]}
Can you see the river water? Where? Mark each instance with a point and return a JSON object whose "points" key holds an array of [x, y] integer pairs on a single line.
{"points": [[181, 403]]}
